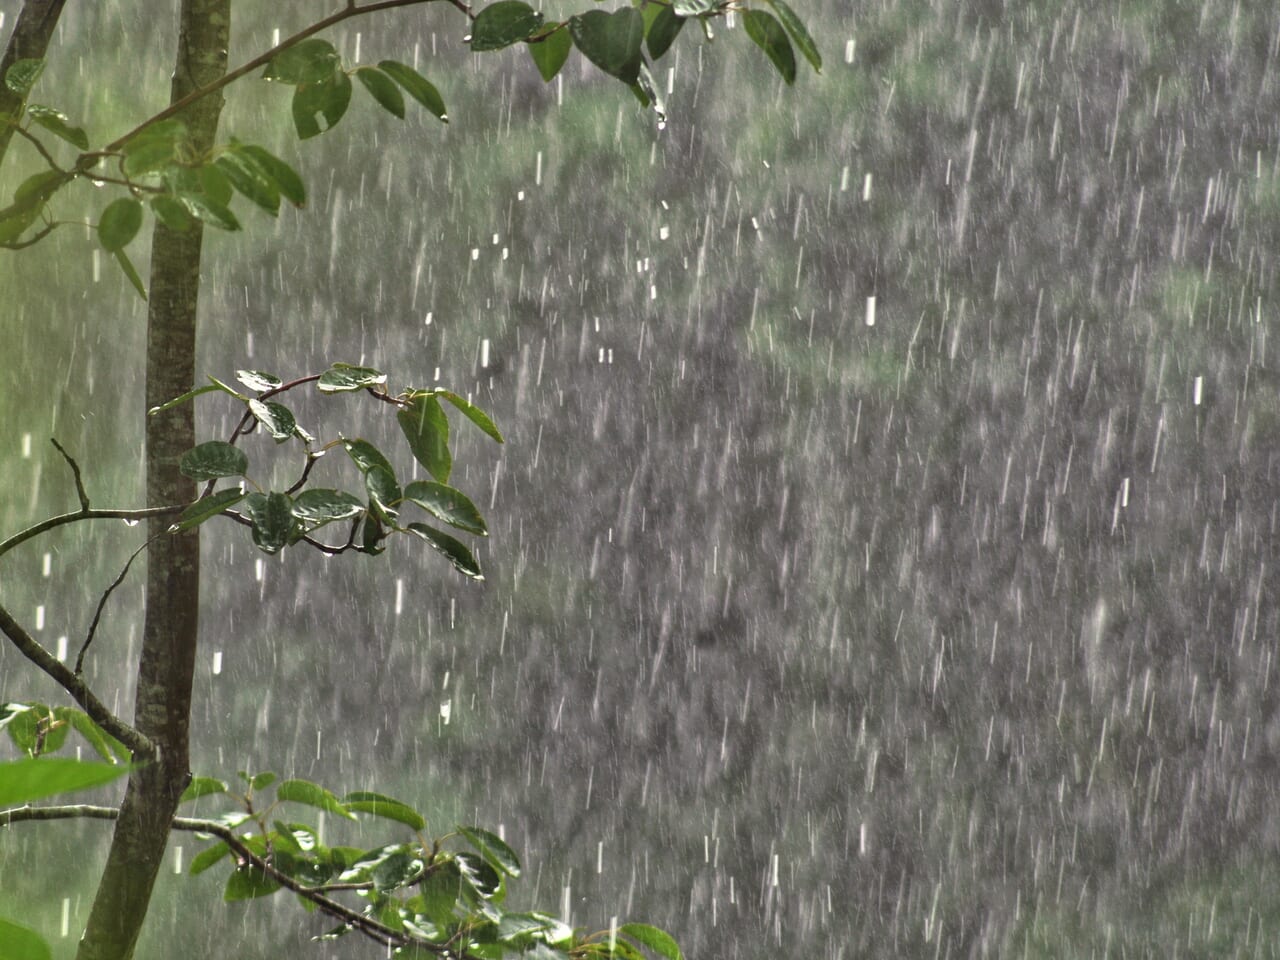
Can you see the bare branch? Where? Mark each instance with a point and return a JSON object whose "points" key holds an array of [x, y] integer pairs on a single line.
{"points": [[97, 614], [102, 514], [75, 470], [140, 745]]}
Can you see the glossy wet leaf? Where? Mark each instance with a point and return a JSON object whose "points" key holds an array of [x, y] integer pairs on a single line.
{"points": [[22, 781], [380, 483], [206, 508], [172, 213], [655, 939], [447, 504], [286, 179], [691, 8], [320, 505], [309, 61], [396, 871], [416, 85], [366, 456], [550, 53], [344, 376], [453, 549], [503, 23], [769, 35], [798, 33], [426, 428], [379, 805], [23, 74], [276, 417], [209, 211], [383, 89], [494, 849], [212, 460], [477, 872], [56, 122], [257, 380], [663, 32], [313, 795], [272, 518], [325, 100], [250, 181], [612, 41], [472, 413]]}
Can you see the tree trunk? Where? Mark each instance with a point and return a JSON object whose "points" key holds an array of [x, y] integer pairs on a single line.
{"points": [[29, 41], [163, 696]]}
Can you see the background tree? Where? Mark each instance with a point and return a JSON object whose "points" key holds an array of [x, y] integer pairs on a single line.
{"points": [[173, 160]]}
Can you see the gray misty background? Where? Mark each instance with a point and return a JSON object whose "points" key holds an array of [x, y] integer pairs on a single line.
{"points": [[951, 634]]}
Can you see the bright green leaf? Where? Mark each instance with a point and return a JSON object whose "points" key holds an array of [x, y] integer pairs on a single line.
{"points": [[55, 121], [447, 504], [416, 85], [22, 781], [202, 787], [653, 938], [472, 413], [22, 75], [427, 429], [550, 52], [768, 34], [378, 805], [276, 417], [328, 99], [209, 856], [17, 942], [666, 27], [119, 223], [319, 506], [502, 24], [313, 795], [257, 781], [454, 550], [383, 89], [104, 744], [272, 518], [309, 61], [206, 508], [494, 849], [611, 41], [796, 30], [344, 376], [212, 460]]}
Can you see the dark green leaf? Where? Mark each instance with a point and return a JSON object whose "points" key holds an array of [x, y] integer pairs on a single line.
{"points": [[22, 76], [15, 223], [21, 943], [22, 781], [215, 185], [372, 536], [209, 856], [447, 504], [248, 882], [381, 806], [472, 413], [309, 61], [313, 795], [502, 24], [344, 376], [367, 457], [768, 34], [212, 460], [172, 213], [796, 30], [39, 187], [147, 156], [257, 380], [550, 52], [207, 211], [383, 489], [427, 429], [281, 174], [456, 553], [494, 849], [272, 520], [383, 89], [328, 99], [416, 85], [130, 272], [396, 871], [666, 27], [55, 121], [119, 223], [320, 506], [202, 787], [653, 938], [611, 41], [483, 878], [276, 417], [209, 507], [248, 179]]}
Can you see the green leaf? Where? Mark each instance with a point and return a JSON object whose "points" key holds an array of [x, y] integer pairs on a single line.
{"points": [[372, 536], [280, 173], [13, 225], [447, 504], [22, 781], [768, 34], [427, 429], [383, 89], [494, 849], [692, 8], [103, 743], [130, 272], [272, 518], [344, 376], [328, 99], [320, 506], [172, 213], [119, 223], [514, 926], [215, 185], [257, 781], [367, 457], [39, 187], [477, 872], [206, 210], [32, 725], [22, 943], [378, 805], [313, 795], [397, 870], [416, 85], [257, 380], [454, 550], [248, 178], [248, 882], [383, 490], [176, 401], [653, 938], [206, 508], [796, 30], [209, 856], [550, 52], [611, 41], [666, 27], [202, 787], [276, 417], [22, 75], [56, 122], [502, 24], [212, 460], [154, 147], [472, 413], [309, 61]]}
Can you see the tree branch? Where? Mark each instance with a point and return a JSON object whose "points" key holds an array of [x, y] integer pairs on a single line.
{"points": [[101, 514], [140, 745], [102, 602]]}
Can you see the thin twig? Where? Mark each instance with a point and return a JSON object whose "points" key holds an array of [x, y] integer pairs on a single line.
{"points": [[138, 743], [75, 471], [99, 514], [97, 614]]}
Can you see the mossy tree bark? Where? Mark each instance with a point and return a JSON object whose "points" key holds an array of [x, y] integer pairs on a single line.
{"points": [[163, 696]]}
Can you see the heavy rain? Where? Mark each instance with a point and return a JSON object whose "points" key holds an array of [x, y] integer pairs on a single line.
{"points": [[882, 555]]}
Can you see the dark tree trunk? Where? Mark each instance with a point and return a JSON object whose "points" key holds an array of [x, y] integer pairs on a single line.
{"points": [[29, 41]]}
